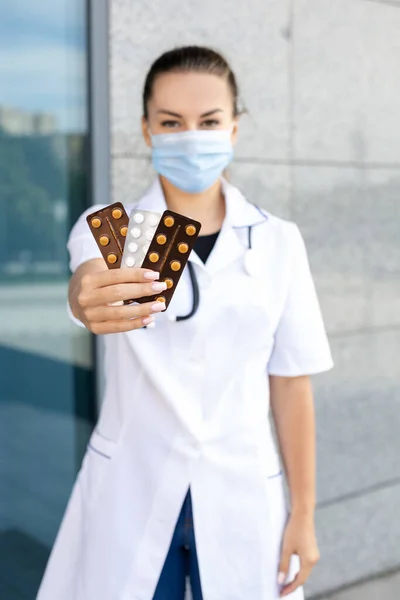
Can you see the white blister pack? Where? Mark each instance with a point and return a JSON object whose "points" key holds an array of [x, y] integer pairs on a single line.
{"points": [[141, 229]]}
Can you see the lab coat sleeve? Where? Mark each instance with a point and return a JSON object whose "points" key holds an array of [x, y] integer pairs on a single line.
{"points": [[81, 247], [300, 342], [81, 243]]}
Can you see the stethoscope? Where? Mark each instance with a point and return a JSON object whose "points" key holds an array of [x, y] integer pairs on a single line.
{"points": [[250, 266], [195, 296]]}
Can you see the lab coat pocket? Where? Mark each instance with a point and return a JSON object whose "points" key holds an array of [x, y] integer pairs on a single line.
{"points": [[96, 464]]}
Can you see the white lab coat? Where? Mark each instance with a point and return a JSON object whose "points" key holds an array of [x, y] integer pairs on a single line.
{"points": [[186, 404]]}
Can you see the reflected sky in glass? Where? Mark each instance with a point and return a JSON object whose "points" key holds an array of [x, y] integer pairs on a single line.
{"points": [[46, 391], [43, 66]]}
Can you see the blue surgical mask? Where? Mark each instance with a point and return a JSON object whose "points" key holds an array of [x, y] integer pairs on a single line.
{"points": [[192, 160]]}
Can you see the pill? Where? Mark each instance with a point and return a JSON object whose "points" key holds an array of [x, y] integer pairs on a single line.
{"points": [[190, 229], [183, 248], [161, 239], [153, 220], [104, 240], [154, 257], [135, 232], [175, 265], [132, 247], [138, 218], [145, 248], [96, 222], [112, 258], [160, 299], [169, 221], [117, 213], [149, 235], [169, 283], [130, 261], [124, 230]]}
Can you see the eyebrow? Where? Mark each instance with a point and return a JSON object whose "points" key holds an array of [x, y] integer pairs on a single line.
{"points": [[178, 116]]}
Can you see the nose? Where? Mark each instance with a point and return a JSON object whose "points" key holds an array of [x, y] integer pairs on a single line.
{"points": [[190, 125]]}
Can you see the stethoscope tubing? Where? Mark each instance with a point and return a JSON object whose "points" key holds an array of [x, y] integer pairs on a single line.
{"points": [[195, 284], [195, 292]]}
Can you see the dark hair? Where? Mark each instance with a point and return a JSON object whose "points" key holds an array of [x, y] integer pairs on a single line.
{"points": [[191, 59]]}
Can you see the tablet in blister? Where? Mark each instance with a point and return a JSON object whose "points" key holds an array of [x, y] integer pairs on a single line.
{"points": [[141, 229]]}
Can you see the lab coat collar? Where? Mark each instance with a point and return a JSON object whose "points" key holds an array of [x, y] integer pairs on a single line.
{"points": [[240, 214]]}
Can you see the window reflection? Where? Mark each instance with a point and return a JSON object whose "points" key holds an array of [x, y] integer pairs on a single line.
{"points": [[43, 169], [46, 391]]}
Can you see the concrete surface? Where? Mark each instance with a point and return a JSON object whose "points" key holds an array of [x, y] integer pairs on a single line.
{"points": [[385, 588], [321, 81]]}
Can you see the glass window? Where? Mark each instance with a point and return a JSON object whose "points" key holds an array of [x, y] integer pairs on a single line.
{"points": [[46, 391]]}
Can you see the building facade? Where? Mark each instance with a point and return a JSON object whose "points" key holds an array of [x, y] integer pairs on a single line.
{"points": [[319, 144]]}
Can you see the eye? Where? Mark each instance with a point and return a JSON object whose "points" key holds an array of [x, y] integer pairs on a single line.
{"points": [[210, 123], [170, 124]]}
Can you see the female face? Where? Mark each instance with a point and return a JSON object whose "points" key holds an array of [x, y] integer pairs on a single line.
{"points": [[189, 101]]}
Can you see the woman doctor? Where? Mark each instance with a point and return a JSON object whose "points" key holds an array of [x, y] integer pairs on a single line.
{"points": [[181, 478]]}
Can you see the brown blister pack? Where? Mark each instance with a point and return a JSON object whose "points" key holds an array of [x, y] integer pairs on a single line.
{"points": [[109, 227], [169, 252]]}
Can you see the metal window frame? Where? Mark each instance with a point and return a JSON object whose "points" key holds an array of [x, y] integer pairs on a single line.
{"points": [[99, 146]]}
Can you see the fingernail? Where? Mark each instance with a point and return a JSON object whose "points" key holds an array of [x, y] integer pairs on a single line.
{"points": [[159, 286], [281, 578], [158, 307], [147, 320], [152, 275]]}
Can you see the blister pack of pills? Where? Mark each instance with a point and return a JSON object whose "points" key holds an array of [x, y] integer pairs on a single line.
{"points": [[141, 229], [109, 227], [146, 239], [169, 251]]}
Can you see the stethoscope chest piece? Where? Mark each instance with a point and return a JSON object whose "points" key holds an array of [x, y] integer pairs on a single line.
{"points": [[251, 263]]}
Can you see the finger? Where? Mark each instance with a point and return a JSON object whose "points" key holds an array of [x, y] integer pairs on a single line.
{"points": [[121, 326], [116, 276], [284, 566], [120, 292], [297, 582], [100, 314]]}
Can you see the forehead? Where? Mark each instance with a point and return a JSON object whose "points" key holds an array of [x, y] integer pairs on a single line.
{"points": [[193, 93]]}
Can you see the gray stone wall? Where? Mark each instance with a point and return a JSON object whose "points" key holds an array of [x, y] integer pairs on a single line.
{"points": [[321, 146]]}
